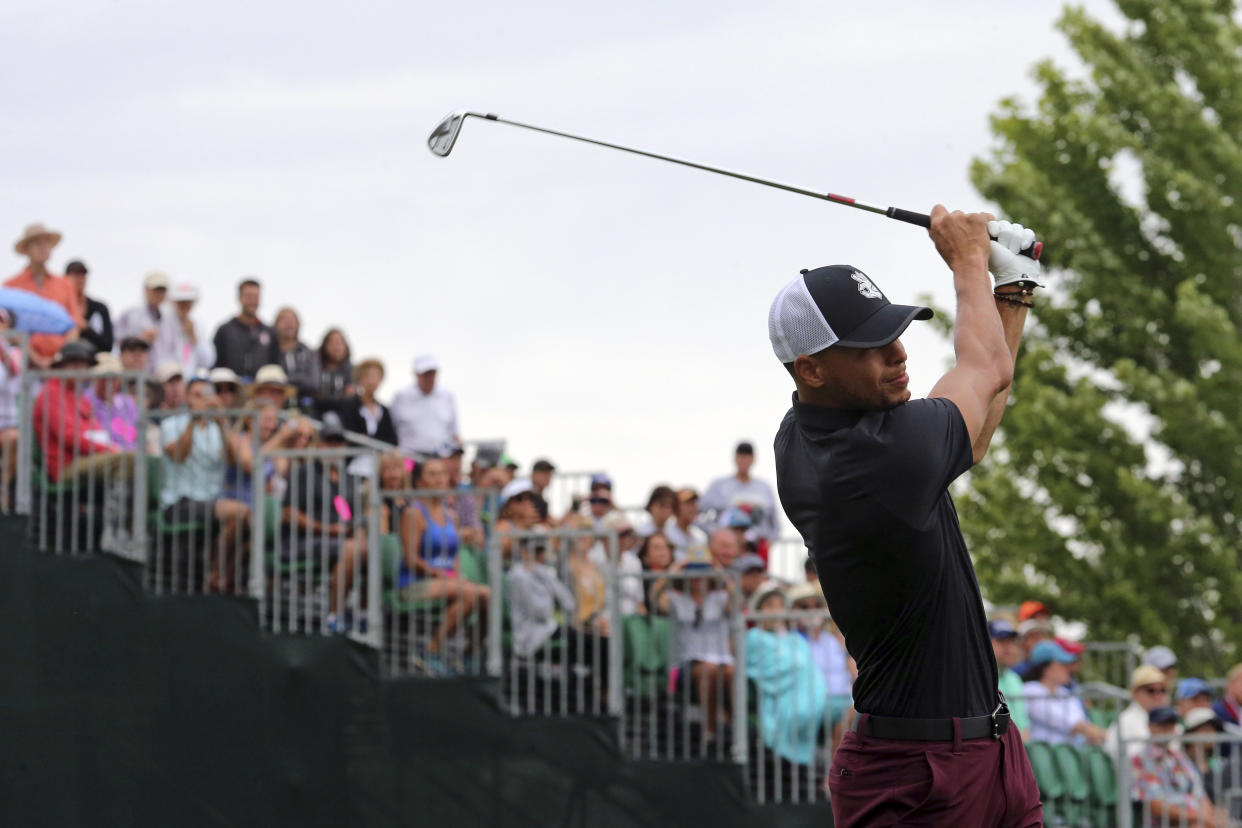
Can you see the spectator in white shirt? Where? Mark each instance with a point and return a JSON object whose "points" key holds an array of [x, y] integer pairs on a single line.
{"points": [[741, 490], [195, 353], [660, 508], [425, 414], [1056, 716], [151, 322], [1148, 690], [687, 538]]}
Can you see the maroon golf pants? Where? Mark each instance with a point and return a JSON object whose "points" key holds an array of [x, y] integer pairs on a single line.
{"points": [[974, 783]]}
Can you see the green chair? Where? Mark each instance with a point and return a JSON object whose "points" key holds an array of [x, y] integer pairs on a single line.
{"points": [[1076, 787], [1102, 777], [1048, 777]]}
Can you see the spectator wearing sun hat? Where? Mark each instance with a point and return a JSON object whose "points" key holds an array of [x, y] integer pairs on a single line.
{"points": [[425, 413], [271, 384], [151, 321], [36, 245], [185, 342], [1149, 689]]}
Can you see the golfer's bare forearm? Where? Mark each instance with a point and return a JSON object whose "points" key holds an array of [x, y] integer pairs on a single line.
{"points": [[1013, 321], [979, 337]]}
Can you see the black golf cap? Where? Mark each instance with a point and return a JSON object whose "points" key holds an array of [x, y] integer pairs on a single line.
{"points": [[835, 305], [75, 266]]}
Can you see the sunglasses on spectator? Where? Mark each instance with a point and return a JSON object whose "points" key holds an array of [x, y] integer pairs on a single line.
{"points": [[1154, 689], [601, 501], [522, 497]]}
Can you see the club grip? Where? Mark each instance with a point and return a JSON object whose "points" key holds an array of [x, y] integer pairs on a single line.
{"points": [[923, 220]]}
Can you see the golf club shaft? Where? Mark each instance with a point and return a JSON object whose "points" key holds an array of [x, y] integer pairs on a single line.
{"points": [[908, 216]]}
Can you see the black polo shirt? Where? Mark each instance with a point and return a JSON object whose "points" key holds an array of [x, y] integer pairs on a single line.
{"points": [[868, 490]]}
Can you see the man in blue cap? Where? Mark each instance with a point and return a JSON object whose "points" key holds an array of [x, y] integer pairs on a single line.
{"points": [[1192, 693]]}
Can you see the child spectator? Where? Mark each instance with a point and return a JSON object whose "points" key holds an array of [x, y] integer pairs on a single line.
{"points": [[244, 343], [300, 363], [97, 329], [36, 245], [363, 413]]}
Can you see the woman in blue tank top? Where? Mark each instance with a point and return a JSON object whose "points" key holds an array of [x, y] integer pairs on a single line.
{"points": [[429, 567]]}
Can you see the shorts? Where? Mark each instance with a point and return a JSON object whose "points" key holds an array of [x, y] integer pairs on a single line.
{"points": [[191, 511]]}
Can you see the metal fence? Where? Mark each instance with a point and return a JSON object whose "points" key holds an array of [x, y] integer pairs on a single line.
{"points": [[14, 403], [563, 632], [76, 470], [1178, 779], [315, 540], [787, 558], [684, 682], [568, 492], [1111, 662]]}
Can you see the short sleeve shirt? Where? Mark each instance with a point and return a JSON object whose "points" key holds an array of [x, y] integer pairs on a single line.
{"points": [[201, 475], [868, 491]]}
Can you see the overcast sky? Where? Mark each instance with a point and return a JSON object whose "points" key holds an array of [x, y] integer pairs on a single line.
{"points": [[603, 310]]}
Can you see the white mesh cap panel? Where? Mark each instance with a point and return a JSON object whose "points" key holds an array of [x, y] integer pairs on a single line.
{"points": [[795, 325]]}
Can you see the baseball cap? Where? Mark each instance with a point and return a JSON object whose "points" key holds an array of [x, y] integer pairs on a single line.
{"points": [[1030, 609], [835, 305], [1074, 648], [514, 488], [1199, 716], [79, 350], [1046, 651], [1160, 656], [508, 462], [426, 362], [744, 447], [737, 518], [748, 563], [601, 480], [131, 343], [1162, 715], [1145, 674], [1188, 688], [167, 370], [183, 292], [1001, 628], [1031, 625], [155, 279], [542, 465], [76, 266]]}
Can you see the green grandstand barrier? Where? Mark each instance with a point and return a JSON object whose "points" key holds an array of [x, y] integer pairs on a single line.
{"points": [[1102, 777], [1048, 777], [1076, 787]]}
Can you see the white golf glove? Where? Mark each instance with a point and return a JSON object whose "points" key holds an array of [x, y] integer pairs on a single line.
{"points": [[1008, 266]]}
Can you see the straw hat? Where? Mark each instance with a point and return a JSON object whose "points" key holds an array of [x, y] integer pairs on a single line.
{"points": [[107, 363], [33, 232], [268, 376]]}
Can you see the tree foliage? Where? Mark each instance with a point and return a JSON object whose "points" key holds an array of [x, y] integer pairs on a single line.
{"points": [[1115, 488]]}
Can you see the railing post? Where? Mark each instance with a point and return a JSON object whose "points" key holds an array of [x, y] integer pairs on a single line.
{"points": [[25, 434], [138, 537], [495, 580], [738, 622], [375, 572], [258, 524], [616, 706]]}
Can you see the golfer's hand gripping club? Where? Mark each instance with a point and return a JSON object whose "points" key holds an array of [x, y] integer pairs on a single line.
{"points": [[1008, 265], [1031, 249]]}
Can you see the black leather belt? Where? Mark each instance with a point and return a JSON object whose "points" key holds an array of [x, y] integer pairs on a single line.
{"points": [[933, 730]]}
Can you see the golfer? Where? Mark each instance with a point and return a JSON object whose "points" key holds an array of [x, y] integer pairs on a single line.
{"points": [[863, 473]]}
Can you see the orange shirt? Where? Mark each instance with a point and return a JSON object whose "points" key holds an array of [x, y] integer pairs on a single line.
{"points": [[59, 290]]}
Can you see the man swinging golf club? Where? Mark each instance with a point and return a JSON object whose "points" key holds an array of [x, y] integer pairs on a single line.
{"points": [[863, 473]]}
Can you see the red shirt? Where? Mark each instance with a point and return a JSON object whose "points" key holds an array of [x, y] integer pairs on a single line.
{"points": [[62, 421], [59, 290]]}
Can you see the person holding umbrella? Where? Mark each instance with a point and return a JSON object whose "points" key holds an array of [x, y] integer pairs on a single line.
{"points": [[36, 245]]}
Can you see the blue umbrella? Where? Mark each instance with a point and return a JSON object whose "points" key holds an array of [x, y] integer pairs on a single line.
{"points": [[34, 313]]}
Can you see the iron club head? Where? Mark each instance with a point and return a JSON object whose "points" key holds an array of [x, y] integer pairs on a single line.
{"points": [[442, 138]]}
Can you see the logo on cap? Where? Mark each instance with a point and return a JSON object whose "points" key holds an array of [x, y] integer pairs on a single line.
{"points": [[865, 286]]}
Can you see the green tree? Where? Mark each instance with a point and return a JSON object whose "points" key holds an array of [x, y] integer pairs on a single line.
{"points": [[1115, 489]]}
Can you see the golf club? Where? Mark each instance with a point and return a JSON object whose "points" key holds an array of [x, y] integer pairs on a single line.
{"points": [[442, 139]]}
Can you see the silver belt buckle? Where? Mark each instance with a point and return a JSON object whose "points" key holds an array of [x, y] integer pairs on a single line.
{"points": [[996, 734]]}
